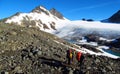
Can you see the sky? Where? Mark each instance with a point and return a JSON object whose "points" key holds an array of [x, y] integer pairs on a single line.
{"points": [[71, 9]]}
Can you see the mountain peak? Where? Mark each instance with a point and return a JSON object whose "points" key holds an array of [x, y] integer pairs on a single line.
{"points": [[40, 9], [115, 18], [118, 12], [56, 13]]}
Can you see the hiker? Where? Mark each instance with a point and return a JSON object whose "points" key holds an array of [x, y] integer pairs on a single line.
{"points": [[79, 58], [74, 57], [70, 56]]}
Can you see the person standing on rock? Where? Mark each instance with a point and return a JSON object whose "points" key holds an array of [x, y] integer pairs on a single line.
{"points": [[79, 58], [69, 56], [74, 57]]}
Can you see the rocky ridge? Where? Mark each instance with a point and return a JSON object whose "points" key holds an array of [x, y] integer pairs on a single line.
{"points": [[56, 13], [40, 17]]}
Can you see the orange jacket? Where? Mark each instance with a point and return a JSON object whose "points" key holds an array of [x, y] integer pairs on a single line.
{"points": [[79, 54]]}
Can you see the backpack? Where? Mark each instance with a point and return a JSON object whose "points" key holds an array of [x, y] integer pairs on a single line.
{"points": [[79, 54], [70, 54]]}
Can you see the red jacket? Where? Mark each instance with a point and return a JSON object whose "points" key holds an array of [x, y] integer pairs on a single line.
{"points": [[79, 54]]}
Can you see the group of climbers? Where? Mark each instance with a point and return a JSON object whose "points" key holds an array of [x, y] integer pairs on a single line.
{"points": [[71, 54]]}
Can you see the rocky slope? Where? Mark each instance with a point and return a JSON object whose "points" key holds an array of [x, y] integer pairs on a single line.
{"points": [[26, 50]]}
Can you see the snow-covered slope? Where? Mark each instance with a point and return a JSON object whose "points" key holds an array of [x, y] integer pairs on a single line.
{"points": [[40, 17]]}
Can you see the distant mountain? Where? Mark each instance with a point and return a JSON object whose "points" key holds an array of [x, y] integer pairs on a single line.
{"points": [[39, 17], [115, 18], [54, 22]]}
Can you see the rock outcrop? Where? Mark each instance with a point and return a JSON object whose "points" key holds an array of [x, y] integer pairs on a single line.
{"points": [[56, 13], [115, 18]]}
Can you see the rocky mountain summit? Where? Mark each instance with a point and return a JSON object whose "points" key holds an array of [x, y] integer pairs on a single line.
{"points": [[40, 17], [26, 50], [115, 18], [53, 11], [56, 13], [40, 9]]}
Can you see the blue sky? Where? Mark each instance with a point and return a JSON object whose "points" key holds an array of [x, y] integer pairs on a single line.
{"points": [[71, 9]]}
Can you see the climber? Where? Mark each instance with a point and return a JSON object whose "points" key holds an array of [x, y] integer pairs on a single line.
{"points": [[79, 58], [70, 56]]}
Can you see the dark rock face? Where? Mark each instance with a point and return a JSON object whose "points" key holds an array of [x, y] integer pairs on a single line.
{"points": [[115, 43], [40, 9], [18, 13], [91, 37], [90, 20], [115, 18], [56, 13]]}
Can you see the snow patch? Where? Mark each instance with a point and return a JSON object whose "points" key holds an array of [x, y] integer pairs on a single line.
{"points": [[85, 51], [103, 47], [104, 39]]}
